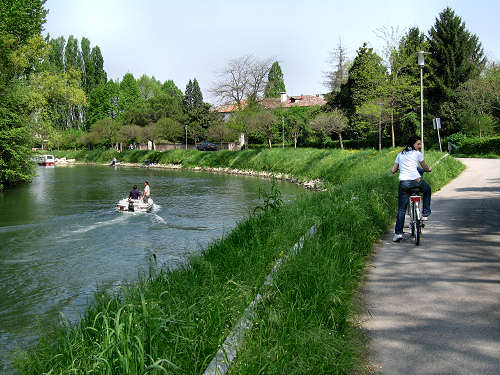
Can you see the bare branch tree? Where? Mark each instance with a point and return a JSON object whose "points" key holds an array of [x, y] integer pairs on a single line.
{"points": [[244, 77], [338, 60]]}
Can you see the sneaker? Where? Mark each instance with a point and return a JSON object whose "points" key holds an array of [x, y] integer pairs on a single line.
{"points": [[397, 237], [425, 218]]}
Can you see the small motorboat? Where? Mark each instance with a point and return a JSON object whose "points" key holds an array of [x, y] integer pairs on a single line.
{"points": [[46, 160], [135, 205]]}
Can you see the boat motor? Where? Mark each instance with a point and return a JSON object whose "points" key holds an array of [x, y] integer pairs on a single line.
{"points": [[131, 206]]}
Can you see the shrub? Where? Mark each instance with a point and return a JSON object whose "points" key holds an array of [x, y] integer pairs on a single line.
{"points": [[480, 145]]}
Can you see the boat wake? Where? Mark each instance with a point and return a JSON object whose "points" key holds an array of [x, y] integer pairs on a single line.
{"points": [[100, 224]]}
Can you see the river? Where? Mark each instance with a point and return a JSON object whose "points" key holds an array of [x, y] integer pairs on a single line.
{"points": [[61, 236]]}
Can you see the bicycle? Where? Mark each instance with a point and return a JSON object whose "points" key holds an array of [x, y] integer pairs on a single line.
{"points": [[415, 212]]}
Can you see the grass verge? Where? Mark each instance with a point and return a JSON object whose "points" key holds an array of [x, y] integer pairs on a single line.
{"points": [[172, 321]]}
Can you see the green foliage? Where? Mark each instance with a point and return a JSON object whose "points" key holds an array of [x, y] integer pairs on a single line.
{"points": [[479, 145], [275, 83], [130, 95], [193, 98], [264, 124], [103, 102], [272, 200], [457, 56], [21, 50], [72, 57], [367, 81], [104, 131], [148, 87], [169, 130], [171, 89], [22, 19]]}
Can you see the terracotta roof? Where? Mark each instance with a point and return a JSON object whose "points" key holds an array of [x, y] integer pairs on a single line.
{"points": [[273, 103]]}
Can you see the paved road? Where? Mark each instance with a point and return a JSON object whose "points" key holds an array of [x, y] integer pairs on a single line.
{"points": [[435, 308]]}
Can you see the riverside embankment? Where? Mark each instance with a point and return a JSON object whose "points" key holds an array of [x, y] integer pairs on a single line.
{"points": [[173, 321]]}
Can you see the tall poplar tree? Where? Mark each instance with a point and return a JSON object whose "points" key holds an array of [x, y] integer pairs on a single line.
{"points": [[275, 83], [100, 76], [88, 71]]}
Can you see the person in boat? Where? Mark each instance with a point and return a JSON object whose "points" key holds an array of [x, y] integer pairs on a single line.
{"points": [[134, 193], [146, 193]]}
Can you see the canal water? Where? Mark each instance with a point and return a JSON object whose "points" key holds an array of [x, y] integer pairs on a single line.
{"points": [[62, 236]]}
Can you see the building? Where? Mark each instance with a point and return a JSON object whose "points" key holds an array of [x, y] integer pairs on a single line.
{"points": [[284, 101]]}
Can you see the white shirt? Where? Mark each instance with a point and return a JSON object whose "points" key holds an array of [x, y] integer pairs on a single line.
{"points": [[408, 163], [146, 191]]}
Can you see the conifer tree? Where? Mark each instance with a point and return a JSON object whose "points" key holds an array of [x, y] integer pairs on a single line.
{"points": [[188, 96], [197, 95], [456, 54], [275, 84]]}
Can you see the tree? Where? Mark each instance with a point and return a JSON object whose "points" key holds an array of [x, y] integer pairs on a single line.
{"points": [[21, 50], [456, 56], [103, 102], [100, 76], [377, 112], [477, 98], [403, 86], [56, 54], [148, 86], [328, 123], [88, 71], [337, 77], [275, 84], [22, 19], [366, 81], [220, 132], [106, 131], [243, 78], [170, 88], [130, 95], [264, 123], [130, 134], [193, 98], [169, 130]]}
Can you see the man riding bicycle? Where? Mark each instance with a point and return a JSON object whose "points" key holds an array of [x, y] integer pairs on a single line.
{"points": [[408, 161]]}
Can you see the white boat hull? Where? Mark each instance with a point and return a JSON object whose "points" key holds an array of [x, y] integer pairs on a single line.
{"points": [[135, 205]]}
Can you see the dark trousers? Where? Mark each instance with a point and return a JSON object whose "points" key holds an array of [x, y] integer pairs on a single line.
{"points": [[403, 197]]}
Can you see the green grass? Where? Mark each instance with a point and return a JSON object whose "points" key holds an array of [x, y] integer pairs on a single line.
{"points": [[173, 321]]}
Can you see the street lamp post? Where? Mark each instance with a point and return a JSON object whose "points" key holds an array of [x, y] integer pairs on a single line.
{"points": [[186, 136], [421, 63]]}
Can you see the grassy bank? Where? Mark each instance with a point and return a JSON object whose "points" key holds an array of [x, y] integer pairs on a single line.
{"points": [[172, 321]]}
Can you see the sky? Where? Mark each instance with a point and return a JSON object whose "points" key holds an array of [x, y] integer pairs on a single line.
{"points": [[182, 40]]}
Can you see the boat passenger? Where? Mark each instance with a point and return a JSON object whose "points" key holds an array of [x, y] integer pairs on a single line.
{"points": [[146, 193], [134, 193]]}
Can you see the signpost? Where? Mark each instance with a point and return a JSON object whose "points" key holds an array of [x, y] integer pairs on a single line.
{"points": [[436, 123]]}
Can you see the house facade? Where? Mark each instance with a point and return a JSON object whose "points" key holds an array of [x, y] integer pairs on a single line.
{"points": [[284, 101]]}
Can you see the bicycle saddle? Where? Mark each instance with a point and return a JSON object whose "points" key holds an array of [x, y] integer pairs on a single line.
{"points": [[414, 190]]}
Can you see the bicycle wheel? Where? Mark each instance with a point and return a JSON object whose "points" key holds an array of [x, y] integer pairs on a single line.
{"points": [[416, 224], [412, 219]]}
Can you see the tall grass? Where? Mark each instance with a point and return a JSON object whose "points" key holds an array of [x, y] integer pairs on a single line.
{"points": [[172, 321]]}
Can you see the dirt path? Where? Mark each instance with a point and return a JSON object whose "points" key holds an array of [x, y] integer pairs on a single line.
{"points": [[435, 308]]}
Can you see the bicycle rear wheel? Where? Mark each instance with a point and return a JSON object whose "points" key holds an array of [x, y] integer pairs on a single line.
{"points": [[416, 227]]}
